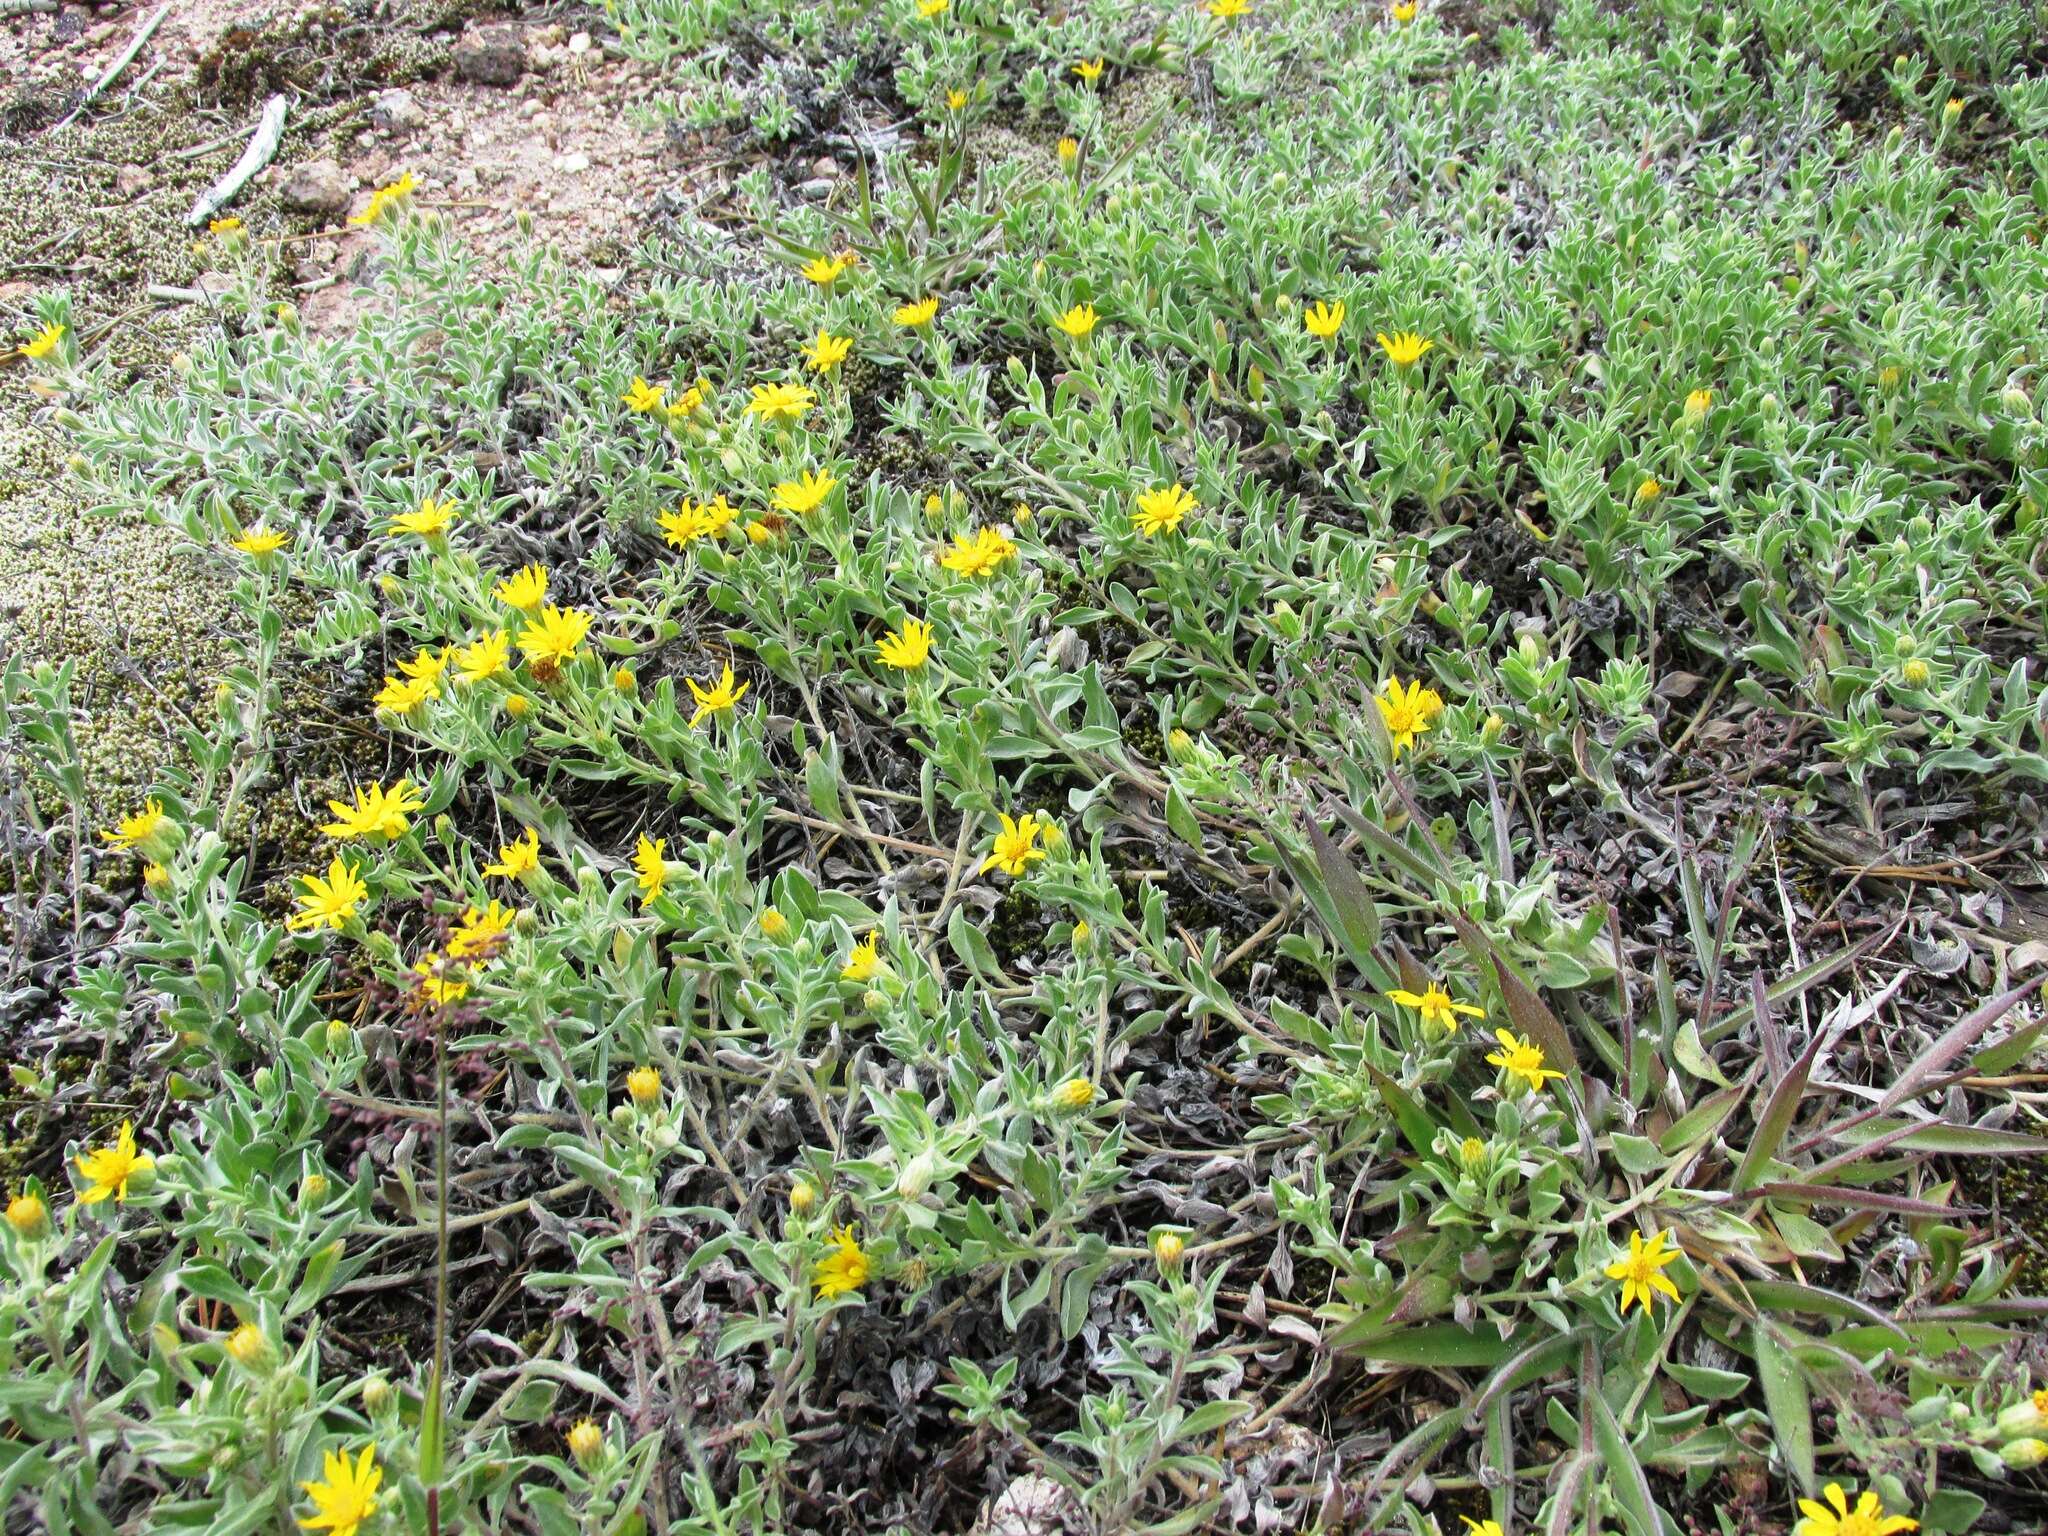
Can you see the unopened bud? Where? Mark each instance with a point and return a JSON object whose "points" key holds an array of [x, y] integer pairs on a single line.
{"points": [[2021, 1455], [1167, 1248]]}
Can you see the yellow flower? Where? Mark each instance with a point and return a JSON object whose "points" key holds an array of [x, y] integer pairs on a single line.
{"points": [[773, 924], [955, 100], [1226, 10], [1089, 70], [1069, 151], [827, 270], [688, 401], [1167, 1250], [518, 858], [930, 8], [1404, 348], [226, 226], [695, 520], [431, 522], [1952, 108], [1160, 510], [642, 397], [1522, 1058], [806, 495], [107, 1170], [525, 589], [845, 1268], [1015, 849], [43, 343], [1481, 1527], [1323, 320], [1439, 1013], [1697, 404], [346, 1495], [1914, 672], [803, 1195], [1076, 1093], [1407, 713], [917, 314], [247, 1346], [148, 828], [377, 812], [29, 1217], [556, 636], [441, 981], [384, 199], [979, 553], [650, 869], [331, 902], [155, 876], [477, 936], [827, 352], [1642, 1274], [908, 648], [261, 539], [1867, 1519], [484, 657], [1078, 321], [718, 698], [427, 664], [780, 402], [1403, 11], [864, 961], [586, 1441], [624, 680], [517, 705], [403, 697], [643, 1086], [1649, 490]]}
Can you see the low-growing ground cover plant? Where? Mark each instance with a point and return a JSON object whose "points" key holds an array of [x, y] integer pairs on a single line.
{"points": [[1290, 784]]}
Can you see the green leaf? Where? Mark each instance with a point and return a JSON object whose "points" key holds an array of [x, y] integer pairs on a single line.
{"points": [[1704, 1381], [1180, 818], [1358, 917], [1785, 1395]]}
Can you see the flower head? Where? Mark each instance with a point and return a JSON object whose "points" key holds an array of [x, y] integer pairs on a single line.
{"points": [[1089, 70], [908, 648], [718, 698], [43, 343], [247, 1347], [1161, 510], [1641, 1272], [1403, 11], [845, 1268], [555, 636], [827, 351], [643, 1086], [1323, 320], [1404, 349], [650, 869], [688, 401], [1227, 10], [403, 696], [1866, 1519], [1078, 321], [108, 1170], [1069, 150], [481, 931], [773, 924], [780, 402], [1648, 491], [642, 397], [1522, 1058], [260, 539], [827, 270], [806, 495], [1407, 712], [148, 831], [29, 1217], [346, 1494], [1697, 403], [1480, 1527], [956, 100], [1076, 1093], [378, 812], [917, 314], [227, 226], [331, 901], [441, 979], [525, 589], [431, 521], [927, 9], [1439, 1013], [1016, 847], [484, 657], [979, 553], [864, 960], [695, 520], [586, 1440], [518, 858], [385, 199]]}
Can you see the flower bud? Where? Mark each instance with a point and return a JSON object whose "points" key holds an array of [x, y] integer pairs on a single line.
{"points": [[1284, 619], [1952, 109], [644, 1085], [1081, 934], [773, 924], [1180, 746], [376, 1394], [622, 1115], [517, 705], [2024, 1417], [1074, 1095], [666, 1137], [874, 1000], [313, 1189], [623, 680], [29, 1217], [917, 1176], [2016, 400], [586, 1442], [803, 1197], [1167, 1248], [2022, 1455], [1915, 673], [248, 1348], [1473, 1155]]}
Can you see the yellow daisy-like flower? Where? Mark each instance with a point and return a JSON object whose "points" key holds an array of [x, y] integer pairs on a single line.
{"points": [[1836, 1518], [927, 9], [1697, 403], [955, 100], [717, 699], [1407, 712], [29, 1217], [864, 961], [384, 199], [346, 1494], [1323, 320], [798, 497], [844, 1269], [1439, 1013], [780, 402], [525, 589], [261, 539], [920, 313], [226, 226], [142, 830], [1161, 510], [695, 520], [680, 408], [642, 397], [378, 812], [329, 902], [441, 980], [484, 657], [1069, 150], [1481, 1527], [1016, 847], [107, 1170], [1404, 349], [432, 521], [980, 553], [1522, 1058], [401, 696], [1227, 10], [827, 270], [586, 1440], [43, 343], [1641, 1273], [518, 858], [1078, 321], [427, 664], [908, 648], [1648, 491], [1076, 1093], [827, 352], [1403, 11], [643, 1086], [479, 932], [1089, 70], [650, 869], [556, 636]]}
